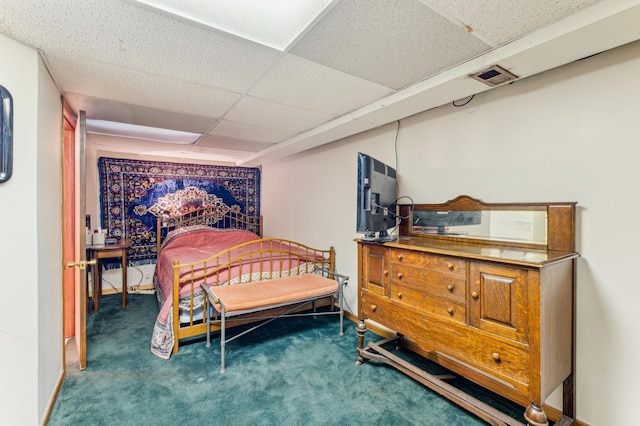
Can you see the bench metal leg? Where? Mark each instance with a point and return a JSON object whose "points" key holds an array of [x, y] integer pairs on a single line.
{"points": [[208, 315], [342, 279], [223, 342], [340, 302]]}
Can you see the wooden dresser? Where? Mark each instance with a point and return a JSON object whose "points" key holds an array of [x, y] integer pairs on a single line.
{"points": [[496, 309]]}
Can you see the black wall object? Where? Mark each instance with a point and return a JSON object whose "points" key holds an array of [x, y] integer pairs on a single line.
{"points": [[6, 135]]}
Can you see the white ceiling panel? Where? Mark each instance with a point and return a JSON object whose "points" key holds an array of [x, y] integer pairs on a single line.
{"points": [[278, 116], [138, 38], [108, 81], [184, 153], [328, 132], [393, 43], [358, 64], [250, 132], [101, 109], [503, 21], [232, 144], [298, 82]]}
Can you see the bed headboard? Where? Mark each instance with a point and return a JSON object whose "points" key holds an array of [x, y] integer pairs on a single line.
{"points": [[209, 216]]}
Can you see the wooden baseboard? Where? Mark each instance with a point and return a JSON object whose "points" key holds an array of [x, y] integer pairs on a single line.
{"points": [[54, 398], [552, 413], [350, 316]]}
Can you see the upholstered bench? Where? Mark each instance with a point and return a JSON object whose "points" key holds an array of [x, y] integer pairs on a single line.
{"points": [[293, 291]]}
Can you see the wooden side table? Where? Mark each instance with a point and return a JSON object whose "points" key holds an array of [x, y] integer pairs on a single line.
{"points": [[108, 251]]}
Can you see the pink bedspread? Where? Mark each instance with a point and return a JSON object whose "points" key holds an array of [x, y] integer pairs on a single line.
{"points": [[187, 244], [191, 246], [266, 259]]}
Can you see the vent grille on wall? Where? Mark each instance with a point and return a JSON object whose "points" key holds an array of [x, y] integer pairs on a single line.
{"points": [[494, 76]]}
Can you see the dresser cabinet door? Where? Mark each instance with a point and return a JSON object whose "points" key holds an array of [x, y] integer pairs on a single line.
{"points": [[498, 300], [375, 269]]}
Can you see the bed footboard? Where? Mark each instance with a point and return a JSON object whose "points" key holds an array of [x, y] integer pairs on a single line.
{"points": [[251, 262]]}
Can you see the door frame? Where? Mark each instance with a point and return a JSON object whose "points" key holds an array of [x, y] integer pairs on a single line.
{"points": [[74, 207]]}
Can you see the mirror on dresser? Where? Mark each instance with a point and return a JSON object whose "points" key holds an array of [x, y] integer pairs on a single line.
{"points": [[534, 225]]}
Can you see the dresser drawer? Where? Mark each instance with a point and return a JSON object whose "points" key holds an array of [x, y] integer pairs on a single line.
{"points": [[450, 286], [382, 310], [430, 304], [445, 265], [494, 356], [458, 343]]}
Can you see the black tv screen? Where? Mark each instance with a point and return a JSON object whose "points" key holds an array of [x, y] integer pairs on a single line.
{"points": [[377, 195]]}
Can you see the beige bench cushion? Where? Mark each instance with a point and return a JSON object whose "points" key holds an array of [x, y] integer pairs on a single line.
{"points": [[263, 294]]}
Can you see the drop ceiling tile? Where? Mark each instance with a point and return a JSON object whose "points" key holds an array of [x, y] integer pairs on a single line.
{"points": [[258, 112], [393, 44], [144, 149], [250, 132], [503, 21], [131, 86], [102, 109], [138, 38], [182, 153], [225, 142], [298, 82], [233, 156]]}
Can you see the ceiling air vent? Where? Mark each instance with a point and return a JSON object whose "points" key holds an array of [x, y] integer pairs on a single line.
{"points": [[494, 76]]}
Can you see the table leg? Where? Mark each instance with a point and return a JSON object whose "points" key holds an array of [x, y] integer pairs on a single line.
{"points": [[124, 278], [86, 282], [97, 283]]}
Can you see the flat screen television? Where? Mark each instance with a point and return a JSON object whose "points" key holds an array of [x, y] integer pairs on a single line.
{"points": [[377, 198]]}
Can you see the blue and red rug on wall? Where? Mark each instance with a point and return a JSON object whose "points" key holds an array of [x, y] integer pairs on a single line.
{"points": [[134, 192]]}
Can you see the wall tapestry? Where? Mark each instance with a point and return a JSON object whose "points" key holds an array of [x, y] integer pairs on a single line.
{"points": [[134, 192]]}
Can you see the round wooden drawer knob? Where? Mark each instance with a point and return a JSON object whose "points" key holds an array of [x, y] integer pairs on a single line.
{"points": [[400, 295], [495, 356], [450, 310], [399, 257], [373, 308], [450, 287], [451, 266], [399, 275], [385, 273], [474, 295]]}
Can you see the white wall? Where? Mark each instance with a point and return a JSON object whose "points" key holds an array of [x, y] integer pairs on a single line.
{"points": [[49, 243], [30, 240], [569, 134]]}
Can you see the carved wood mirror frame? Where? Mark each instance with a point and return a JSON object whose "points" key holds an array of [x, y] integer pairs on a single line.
{"points": [[560, 221]]}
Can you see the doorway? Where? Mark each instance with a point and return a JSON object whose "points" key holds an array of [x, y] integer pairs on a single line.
{"points": [[73, 232]]}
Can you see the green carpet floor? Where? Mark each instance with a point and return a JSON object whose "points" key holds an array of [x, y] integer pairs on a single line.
{"points": [[290, 372]]}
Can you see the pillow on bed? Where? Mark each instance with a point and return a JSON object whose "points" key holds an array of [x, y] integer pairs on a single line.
{"points": [[194, 230], [190, 228]]}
